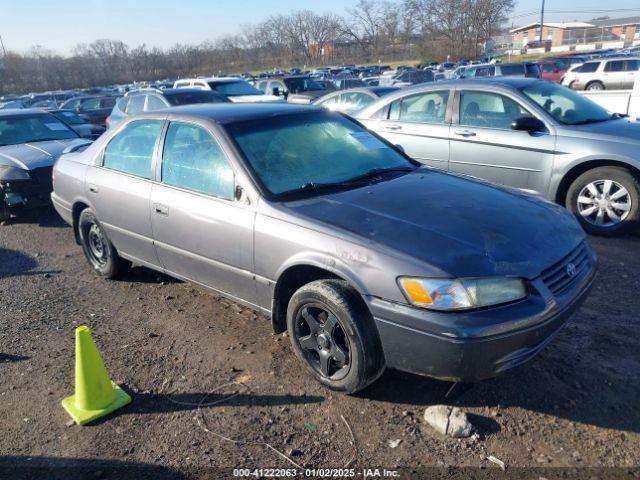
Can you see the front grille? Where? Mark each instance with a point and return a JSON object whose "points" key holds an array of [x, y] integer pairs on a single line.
{"points": [[42, 176], [557, 277]]}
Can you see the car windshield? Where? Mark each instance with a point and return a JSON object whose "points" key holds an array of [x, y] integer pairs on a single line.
{"points": [[566, 106], [298, 85], [199, 96], [234, 88], [70, 118], [290, 153], [36, 128]]}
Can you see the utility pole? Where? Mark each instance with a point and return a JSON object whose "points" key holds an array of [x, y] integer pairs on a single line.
{"points": [[541, 20], [4, 52]]}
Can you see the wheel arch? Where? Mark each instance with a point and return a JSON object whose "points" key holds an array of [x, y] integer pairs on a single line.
{"points": [[580, 168], [78, 206], [294, 276]]}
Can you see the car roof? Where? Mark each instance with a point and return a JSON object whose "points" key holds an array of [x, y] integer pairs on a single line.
{"points": [[22, 112], [225, 113]]}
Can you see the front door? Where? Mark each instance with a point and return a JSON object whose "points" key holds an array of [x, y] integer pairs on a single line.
{"points": [[119, 189], [202, 233], [483, 144]]}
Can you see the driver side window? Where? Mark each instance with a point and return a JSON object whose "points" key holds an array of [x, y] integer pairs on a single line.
{"points": [[490, 110]]}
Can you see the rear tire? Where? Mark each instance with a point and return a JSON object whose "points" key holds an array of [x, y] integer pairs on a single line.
{"points": [[327, 319], [605, 200], [595, 86], [97, 248]]}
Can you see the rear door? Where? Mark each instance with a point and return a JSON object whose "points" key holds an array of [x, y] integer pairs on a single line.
{"points": [[631, 72], [420, 124], [483, 144], [613, 75], [119, 188], [202, 233]]}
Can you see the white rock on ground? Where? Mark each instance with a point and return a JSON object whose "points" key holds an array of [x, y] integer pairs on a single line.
{"points": [[448, 421]]}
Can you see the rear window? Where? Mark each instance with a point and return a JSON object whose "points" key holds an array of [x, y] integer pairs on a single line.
{"points": [[512, 69], [589, 67]]}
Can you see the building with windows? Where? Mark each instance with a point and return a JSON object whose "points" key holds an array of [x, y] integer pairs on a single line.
{"points": [[567, 36]]}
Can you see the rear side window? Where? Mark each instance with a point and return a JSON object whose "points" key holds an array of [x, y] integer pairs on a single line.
{"points": [[136, 104], [192, 159], [533, 70], [589, 67], [622, 66], [512, 69], [91, 104], [427, 107], [355, 101], [131, 150], [107, 102]]}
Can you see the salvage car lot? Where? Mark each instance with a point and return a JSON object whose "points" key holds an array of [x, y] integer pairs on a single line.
{"points": [[170, 344]]}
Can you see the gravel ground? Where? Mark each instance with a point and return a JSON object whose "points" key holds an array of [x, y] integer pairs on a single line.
{"points": [[174, 347]]}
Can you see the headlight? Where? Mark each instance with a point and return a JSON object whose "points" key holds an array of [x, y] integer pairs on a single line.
{"points": [[461, 294], [8, 173]]}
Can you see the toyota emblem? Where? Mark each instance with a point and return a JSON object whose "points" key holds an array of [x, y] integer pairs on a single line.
{"points": [[571, 270]]}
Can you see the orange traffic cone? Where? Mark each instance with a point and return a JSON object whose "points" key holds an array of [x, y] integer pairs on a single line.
{"points": [[96, 395]]}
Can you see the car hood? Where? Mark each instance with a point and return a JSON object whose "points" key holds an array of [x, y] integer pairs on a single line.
{"points": [[462, 227], [620, 130], [255, 98], [28, 156]]}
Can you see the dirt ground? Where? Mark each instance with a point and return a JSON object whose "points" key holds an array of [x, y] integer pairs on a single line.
{"points": [[200, 368]]}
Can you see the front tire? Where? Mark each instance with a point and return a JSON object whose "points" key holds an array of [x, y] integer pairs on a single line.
{"points": [[333, 334], [5, 214], [99, 251], [605, 200]]}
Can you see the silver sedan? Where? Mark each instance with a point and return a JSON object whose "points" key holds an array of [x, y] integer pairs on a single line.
{"points": [[523, 133]]}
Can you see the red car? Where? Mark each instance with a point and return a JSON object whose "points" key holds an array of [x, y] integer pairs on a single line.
{"points": [[552, 71]]}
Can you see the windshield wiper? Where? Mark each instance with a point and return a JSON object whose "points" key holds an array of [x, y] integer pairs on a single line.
{"points": [[357, 181], [377, 172]]}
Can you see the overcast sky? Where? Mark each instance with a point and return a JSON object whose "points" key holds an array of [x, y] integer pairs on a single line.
{"points": [[61, 24]]}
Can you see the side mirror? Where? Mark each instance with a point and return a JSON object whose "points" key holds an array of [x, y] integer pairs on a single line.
{"points": [[400, 147], [528, 124]]}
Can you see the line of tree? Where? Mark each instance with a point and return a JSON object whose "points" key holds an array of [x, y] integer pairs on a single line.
{"points": [[371, 32]]}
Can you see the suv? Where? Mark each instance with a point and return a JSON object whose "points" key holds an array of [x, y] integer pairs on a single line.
{"points": [[527, 70], [138, 101], [295, 88], [235, 89], [608, 74]]}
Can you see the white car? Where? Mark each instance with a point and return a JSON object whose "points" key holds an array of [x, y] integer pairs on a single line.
{"points": [[570, 75], [235, 89]]}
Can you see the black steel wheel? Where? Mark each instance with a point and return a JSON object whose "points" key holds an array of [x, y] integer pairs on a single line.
{"points": [[323, 341], [97, 248], [334, 336]]}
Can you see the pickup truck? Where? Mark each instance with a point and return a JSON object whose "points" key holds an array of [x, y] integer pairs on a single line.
{"points": [[626, 102]]}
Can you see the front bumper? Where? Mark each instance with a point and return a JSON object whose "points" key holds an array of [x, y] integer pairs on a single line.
{"points": [[22, 194], [471, 346]]}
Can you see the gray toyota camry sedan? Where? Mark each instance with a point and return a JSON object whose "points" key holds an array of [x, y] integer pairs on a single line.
{"points": [[367, 258]]}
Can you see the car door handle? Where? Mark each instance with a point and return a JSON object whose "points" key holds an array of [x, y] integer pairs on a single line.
{"points": [[465, 133], [393, 127], [161, 209], [93, 188]]}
